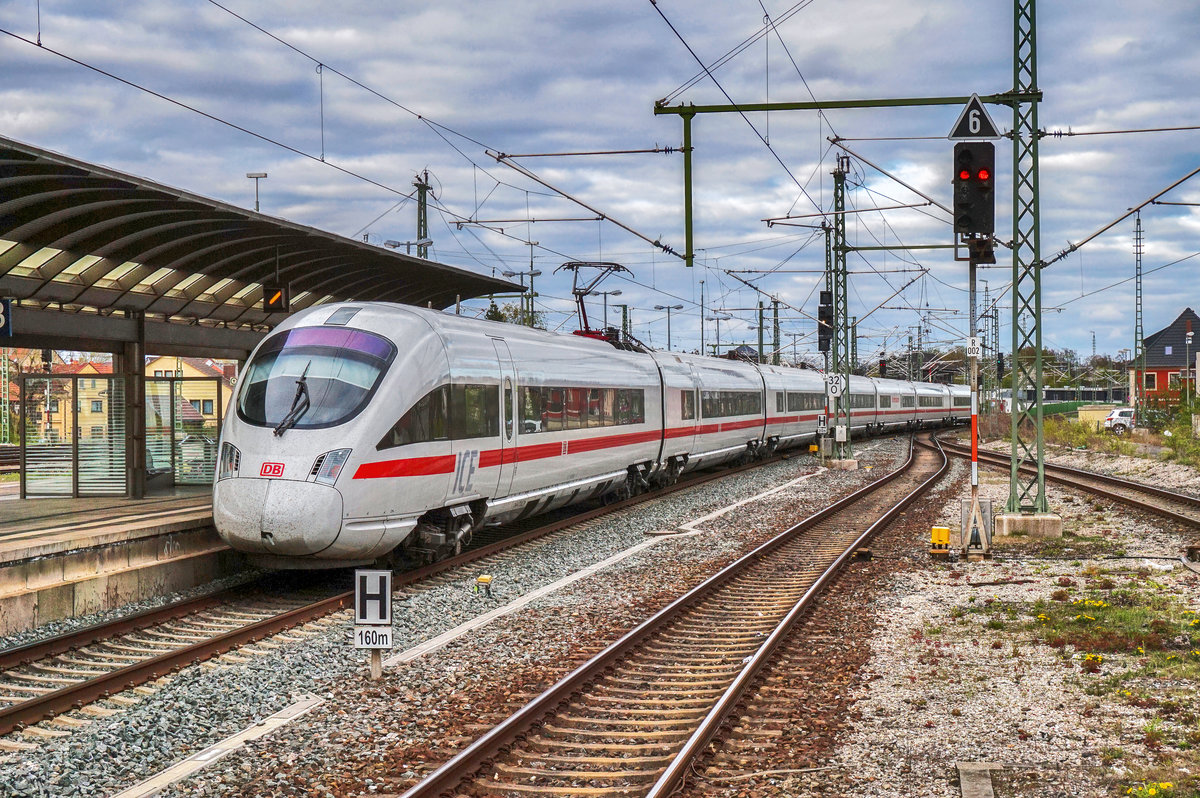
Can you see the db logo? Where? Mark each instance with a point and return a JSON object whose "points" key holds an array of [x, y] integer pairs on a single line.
{"points": [[271, 470]]}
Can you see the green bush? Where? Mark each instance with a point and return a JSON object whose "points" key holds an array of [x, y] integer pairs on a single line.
{"points": [[1079, 435]]}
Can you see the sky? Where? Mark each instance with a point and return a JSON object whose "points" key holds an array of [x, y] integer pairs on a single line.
{"points": [[344, 104]]}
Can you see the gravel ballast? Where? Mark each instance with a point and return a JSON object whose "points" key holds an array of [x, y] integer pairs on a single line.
{"points": [[200, 706]]}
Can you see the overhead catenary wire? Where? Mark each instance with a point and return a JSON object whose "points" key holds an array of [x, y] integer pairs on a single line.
{"points": [[1072, 247], [321, 158], [741, 113], [737, 50]]}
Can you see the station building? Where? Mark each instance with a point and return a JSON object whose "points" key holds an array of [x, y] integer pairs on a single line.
{"points": [[171, 286], [1170, 360]]}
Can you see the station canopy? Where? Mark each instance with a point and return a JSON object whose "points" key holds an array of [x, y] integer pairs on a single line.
{"points": [[80, 243]]}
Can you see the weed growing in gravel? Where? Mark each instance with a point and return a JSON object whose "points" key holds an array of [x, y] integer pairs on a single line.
{"points": [[1146, 623], [1153, 789]]}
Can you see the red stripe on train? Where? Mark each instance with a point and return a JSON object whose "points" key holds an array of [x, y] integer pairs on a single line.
{"points": [[409, 467]]}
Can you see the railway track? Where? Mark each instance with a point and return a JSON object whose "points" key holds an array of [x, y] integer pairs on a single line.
{"points": [[49, 678], [633, 718], [1175, 506]]}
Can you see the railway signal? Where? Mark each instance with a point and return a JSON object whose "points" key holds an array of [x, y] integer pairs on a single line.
{"points": [[825, 321], [974, 183], [276, 299]]}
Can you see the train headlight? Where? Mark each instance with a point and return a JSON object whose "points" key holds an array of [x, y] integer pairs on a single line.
{"points": [[327, 467], [231, 461]]}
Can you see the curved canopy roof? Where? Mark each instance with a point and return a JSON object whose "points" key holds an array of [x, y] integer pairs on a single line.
{"points": [[80, 237]]}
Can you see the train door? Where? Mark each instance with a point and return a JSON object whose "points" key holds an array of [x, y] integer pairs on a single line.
{"points": [[508, 417]]}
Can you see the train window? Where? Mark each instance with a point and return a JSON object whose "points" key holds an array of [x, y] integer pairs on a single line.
{"points": [[908, 401], [425, 421], [574, 408], [885, 400], [595, 408], [779, 401], [530, 408], [718, 404], [805, 401], [687, 405], [631, 406], [610, 405], [962, 401], [507, 409], [474, 411], [555, 412], [544, 409], [340, 368]]}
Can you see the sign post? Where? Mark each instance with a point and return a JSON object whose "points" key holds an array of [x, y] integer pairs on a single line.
{"points": [[373, 615]]}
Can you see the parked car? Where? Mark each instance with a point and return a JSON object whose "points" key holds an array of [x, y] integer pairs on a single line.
{"points": [[1120, 421]]}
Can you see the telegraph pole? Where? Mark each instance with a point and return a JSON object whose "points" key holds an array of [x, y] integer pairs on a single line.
{"points": [[853, 343], [760, 332], [1027, 510], [989, 347], [838, 375], [1139, 354], [775, 343], [421, 183]]}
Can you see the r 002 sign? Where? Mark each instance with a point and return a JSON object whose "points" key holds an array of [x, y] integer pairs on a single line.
{"points": [[372, 637]]}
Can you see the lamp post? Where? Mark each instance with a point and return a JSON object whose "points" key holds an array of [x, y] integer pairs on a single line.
{"points": [[606, 295], [256, 176], [720, 317], [668, 309], [528, 321], [1187, 338], [795, 336]]}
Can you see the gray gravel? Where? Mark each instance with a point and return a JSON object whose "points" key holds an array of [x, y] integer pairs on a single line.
{"points": [[200, 706], [55, 628]]}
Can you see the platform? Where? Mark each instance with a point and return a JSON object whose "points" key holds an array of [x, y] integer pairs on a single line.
{"points": [[63, 557]]}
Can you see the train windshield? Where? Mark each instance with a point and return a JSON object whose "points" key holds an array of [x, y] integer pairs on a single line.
{"points": [[338, 368]]}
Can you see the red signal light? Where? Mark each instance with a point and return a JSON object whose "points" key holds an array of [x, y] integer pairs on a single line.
{"points": [[984, 174], [964, 174]]}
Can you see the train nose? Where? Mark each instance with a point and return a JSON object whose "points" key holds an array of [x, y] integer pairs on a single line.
{"points": [[274, 516]]}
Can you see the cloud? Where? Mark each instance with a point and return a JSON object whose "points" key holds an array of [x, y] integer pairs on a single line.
{"points": [[527, 77]]}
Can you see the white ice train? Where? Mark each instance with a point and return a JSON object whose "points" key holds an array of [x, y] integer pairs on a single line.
{"points": [[367, 430]]}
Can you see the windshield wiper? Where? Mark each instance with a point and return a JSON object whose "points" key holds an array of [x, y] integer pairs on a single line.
{"points": [[300, 403]]}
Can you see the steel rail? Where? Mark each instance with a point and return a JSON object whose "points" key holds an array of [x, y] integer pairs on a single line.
{"points": [[74, 696], [60, 644], [453, 772], [25, 713], [1076, 478], [681, 764]]}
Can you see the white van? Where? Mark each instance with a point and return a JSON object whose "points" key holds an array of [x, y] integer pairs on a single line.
{"points": [[1120, 421]]}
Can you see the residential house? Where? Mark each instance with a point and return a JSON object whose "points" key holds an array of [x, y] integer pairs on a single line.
{"points": [[1170, 359]]}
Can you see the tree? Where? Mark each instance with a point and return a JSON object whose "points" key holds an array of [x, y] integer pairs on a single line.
{"points": [[494, 313], [515, 314]]}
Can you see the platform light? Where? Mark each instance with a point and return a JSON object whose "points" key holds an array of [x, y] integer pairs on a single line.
{"points": [[256, 176]]}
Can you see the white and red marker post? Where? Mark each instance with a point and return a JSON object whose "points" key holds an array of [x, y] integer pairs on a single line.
{"points": [[976, 537]]}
